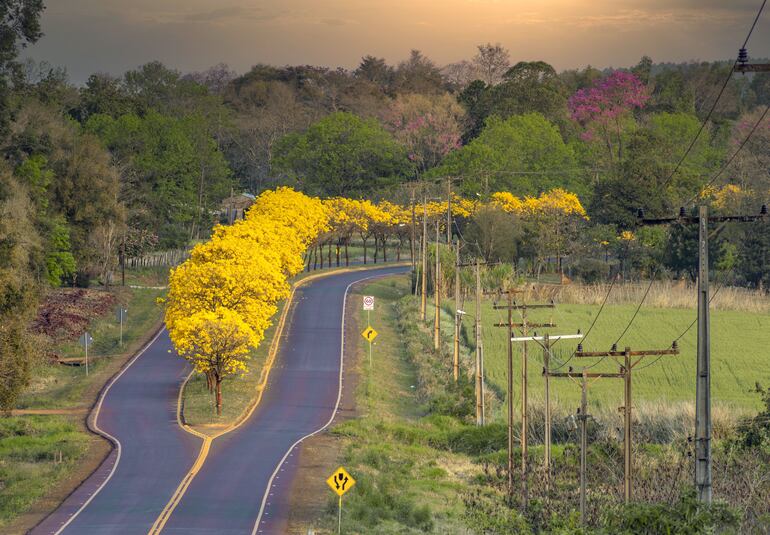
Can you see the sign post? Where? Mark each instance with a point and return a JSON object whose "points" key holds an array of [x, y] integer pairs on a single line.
{"points": [[340, 482], [369, 335], [121, 314], [86, 340]]}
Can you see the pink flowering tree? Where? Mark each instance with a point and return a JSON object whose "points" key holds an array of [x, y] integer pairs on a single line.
{"points": [[429, 127], [606, 108]]}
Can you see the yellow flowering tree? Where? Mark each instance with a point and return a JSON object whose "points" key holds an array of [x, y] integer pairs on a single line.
{"points": [[222, 299], [554, 217]]}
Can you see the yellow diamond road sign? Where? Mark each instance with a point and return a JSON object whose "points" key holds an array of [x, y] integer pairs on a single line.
{"points": [[369, 334], [340, 481]]}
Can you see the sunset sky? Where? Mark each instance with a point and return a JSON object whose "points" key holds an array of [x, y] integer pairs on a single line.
{"points": [[115, 35]]}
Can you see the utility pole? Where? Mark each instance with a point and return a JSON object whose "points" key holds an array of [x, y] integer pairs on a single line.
{"points": [[703, 386], [628, 364], [703, 460], [477, 333], [437, 295], [424, 300], [456, 355], [414, 236], [544, 341], [510, 307], [583, 418], [449, 210]]}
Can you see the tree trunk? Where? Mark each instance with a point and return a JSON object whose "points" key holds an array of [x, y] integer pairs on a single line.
{"points": [[329, 263], [364, 251], [338, 253], [376, 248], [384, 249], [347, 258], [219, 395]]}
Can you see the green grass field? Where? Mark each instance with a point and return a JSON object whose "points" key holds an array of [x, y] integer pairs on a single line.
{"points": [[740, 353], [60, 387], [35, 451]]}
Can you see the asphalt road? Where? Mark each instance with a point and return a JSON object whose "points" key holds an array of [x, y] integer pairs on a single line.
{"points": [[227, 494], [139, 410], [130, 489]]}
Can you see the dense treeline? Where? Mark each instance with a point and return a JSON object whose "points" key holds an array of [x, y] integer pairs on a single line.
{"points": [[143, 160]]}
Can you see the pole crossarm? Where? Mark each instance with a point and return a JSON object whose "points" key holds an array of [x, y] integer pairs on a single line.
{"points": [[530, 325], [751, 67], [578, 375], [694, 220], [646, 353], [514, 306], [552, 338]]}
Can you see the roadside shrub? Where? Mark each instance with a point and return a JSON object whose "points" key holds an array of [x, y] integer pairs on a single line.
{"points": [[687, 516]]}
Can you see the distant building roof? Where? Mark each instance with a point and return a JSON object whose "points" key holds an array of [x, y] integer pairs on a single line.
{"points": [[240, 200]]}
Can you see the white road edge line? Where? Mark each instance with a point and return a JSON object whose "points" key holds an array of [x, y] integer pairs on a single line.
{"points": [[336, 405], [107, 435]]}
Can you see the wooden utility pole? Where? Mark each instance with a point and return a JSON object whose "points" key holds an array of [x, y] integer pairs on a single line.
{"points": [[703, 460], [510, 306], [456, 355], [449, 210], [628, 364], [414, 237], [583, 418], [437, 295], [547, 381], [424, 300], [477, 334]]}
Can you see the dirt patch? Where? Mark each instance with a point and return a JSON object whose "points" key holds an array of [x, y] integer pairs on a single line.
{"points": [[65, 313], [320, 455], [34, 412]]}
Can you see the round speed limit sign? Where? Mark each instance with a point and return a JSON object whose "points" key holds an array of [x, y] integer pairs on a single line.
{"points": [[368, 302]]}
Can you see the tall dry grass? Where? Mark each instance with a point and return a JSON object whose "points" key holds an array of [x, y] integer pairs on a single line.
{"points": [[662, 294], [653, 422]]}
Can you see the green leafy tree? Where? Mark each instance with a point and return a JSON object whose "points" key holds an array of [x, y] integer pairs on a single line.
{"points": [[681, 253], [60, 264], [641, 180], [516, 155], [19, 27], [754, 251], [174, 174], [342, 154], [20, 268]]}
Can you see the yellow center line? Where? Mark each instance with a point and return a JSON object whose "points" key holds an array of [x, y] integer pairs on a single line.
{"points": [[176, 497]]}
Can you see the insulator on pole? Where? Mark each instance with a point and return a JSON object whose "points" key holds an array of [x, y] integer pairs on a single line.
{"points": [[614, 347], [743, 56], [763, 210], [681, 211]]}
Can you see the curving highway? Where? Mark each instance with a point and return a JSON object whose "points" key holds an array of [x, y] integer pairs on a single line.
{"points": [[138, 412], [243, 486]]}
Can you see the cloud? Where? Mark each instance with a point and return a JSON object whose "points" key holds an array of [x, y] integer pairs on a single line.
{"points": [[226, 13], [337, 22]]}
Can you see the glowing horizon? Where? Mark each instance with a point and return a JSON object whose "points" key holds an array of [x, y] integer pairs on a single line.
{"points": [[87, 36]]}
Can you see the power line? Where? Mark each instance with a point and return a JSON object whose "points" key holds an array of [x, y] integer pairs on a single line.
{"points": [[716, 101], [601, 308], [644, 298], [724, 281], [730, 161]]}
